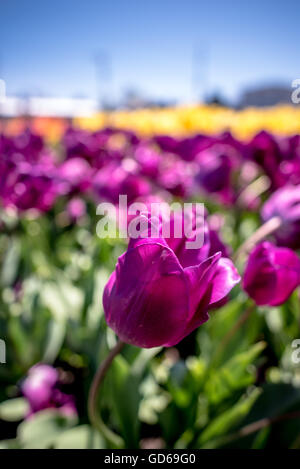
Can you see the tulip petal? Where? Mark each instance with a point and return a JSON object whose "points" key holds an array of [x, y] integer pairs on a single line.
{"points": [[199, 277], [225, 278], [192, 234], [287, 265], [146, 303]]}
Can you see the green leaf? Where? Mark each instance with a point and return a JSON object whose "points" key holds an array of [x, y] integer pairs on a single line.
{"points": [[181, 385], [21, 340], [81, 437], [54, 340], [261, 438], [14, 409], [276, 399], [11, 263], [154, 400], [228, 419], [143, 359], [235, 374], [43, 429], [63, 299], [126, 398], [9, 444], [273, 401]]}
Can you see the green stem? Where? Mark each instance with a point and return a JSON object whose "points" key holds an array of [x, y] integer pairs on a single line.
{"points": [[258, 425], [231, 333], [263, 231], [253, 190], [94, 415]]}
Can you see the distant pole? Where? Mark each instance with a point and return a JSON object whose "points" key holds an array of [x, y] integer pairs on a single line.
{"points": [[2, 89], [103, 70], [1, 67], [200, 61]]}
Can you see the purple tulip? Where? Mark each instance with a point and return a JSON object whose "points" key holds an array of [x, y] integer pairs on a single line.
{"points": [[266, 150], [215, 171], [280, 158], [75, 175], [28, 186], [38, 386], [79, 143], [271, 274], [159, 292], [167, 143], [113, 180], [27, 171], [189, 148], [175, 176], [42, 390], [76, 208], [100, 147], [148, 160], [29, 145], [285, 204]]}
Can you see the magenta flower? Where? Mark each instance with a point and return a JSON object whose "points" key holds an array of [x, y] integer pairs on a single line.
{"points": [[271, 274], [79, 143], [114, 180], [38, 386], [264, 149], [74, 175], [175, 176], [215, 171], [279, 157], [30, 186], [148, 160], [27, 144], [76, 208], [285, 203], [41, 389], [166, 143], [159, 292]]}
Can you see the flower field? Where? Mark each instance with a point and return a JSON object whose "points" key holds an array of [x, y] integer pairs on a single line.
{"points": [[195, 348]]}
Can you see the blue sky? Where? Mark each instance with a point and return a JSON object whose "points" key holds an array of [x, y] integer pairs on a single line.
{"points": [[50, 46]]}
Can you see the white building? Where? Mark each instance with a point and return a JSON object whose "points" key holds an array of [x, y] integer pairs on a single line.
{"points": [[50, 107]]}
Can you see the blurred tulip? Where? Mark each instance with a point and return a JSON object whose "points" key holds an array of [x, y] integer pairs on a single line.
{"points": [[285, 204], [30, 186], [75, 175], [175, 176], [76, 208], [265, 150], [113, 181], [41, 389], [215, 171], [271, 274], [148, 160]]}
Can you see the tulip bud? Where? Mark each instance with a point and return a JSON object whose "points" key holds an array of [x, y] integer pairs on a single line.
{"points": [[271, 274]]}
